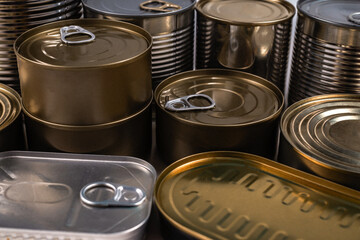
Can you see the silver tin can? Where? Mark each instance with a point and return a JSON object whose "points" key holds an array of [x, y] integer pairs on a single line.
{"points": [[170, 23], [73, 196], [252, 36]]}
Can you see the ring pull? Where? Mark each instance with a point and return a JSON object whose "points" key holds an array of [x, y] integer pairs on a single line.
{"points": [[163, 6], [354, 17], [75, 30], [183, 103], [124, 196]]}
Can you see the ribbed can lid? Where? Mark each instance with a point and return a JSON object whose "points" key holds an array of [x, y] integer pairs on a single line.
{"points": [[10, 105]]}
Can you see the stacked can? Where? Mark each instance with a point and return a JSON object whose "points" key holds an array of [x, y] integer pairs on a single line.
{"points": [[171, 24], [86, 86], [327, 49], [251, 36], [18, 16]]}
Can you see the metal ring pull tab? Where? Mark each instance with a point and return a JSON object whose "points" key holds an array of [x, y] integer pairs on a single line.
{"points": [[354, 17], [75, 30], [183, 104], [163, 6], [124, 196]]}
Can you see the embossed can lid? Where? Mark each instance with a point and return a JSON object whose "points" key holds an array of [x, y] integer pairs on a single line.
{"points": [[10, 106], [232, 195]]}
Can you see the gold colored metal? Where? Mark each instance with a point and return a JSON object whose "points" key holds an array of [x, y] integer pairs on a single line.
{"points": [[233, 195], [164, 6]]}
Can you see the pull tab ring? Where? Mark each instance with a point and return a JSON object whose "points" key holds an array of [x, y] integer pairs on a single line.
{"points": [[183, 104], [354, 17], [75, 30], [164, 6]]}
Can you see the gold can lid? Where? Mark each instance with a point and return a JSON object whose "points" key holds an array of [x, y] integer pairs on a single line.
{"points": [[83, 43], [325, 129], [240, 98], [10, 106], [233, 195], [247, 12]]}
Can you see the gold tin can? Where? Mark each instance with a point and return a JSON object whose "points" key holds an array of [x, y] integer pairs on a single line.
{"points": [[11, 127], [245, 116], [233, 195], [247, 35], [84, 72], [129, 136], [321, 135]]}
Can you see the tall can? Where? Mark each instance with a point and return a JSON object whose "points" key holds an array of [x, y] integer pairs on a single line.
{"points": [[251, 36], [326, 55], [320, 135], [216, 109], [170, 23]]}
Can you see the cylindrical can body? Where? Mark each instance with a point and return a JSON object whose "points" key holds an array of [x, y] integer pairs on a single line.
{"points": [[320, 135], [129, 136], [172, 31], [88, 83], [245, 116], [252, 36], [326, 55]]}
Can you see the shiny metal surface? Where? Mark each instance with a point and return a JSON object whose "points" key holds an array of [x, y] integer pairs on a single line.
{"points": [[251, 36], [184, 103], [91, 83], [232, 195], [245, 117], [41, 196], [320, 134]]}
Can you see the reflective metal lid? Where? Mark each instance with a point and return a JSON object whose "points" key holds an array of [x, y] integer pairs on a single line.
{"points": [[101, 42], [139, 8], [337, 12], [325, 130], [10, 105], [232, 195], [240, 98], [247, 12]]}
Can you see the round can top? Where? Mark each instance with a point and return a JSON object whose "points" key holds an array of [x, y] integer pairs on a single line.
{"points": [[83, 43], [240, 98], [139, 8], [10, 105], [247, 12], [325, 129], [337, 12]]}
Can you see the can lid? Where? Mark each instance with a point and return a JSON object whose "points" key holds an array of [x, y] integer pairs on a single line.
{"points": [[325, 129], [139, 8], [240, 98], [337, 12], [83, 43], [247, 12], [10, 106], [233, 195]]}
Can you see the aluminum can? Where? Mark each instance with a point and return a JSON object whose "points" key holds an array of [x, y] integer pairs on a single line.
{"points": [[326, 55], [251, 36], [234, 195], [170, 23], [11, 128], [84, 71], [320, 135], [74, 196], [18, 16], [131, 136], [243, 116]]}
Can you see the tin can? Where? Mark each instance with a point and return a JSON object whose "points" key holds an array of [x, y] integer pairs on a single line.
{"points": [[233, 195], [85, 71], [320, 135], [129, 136], [170, 23], [74, 196], [326, 55], [11, 128], [251, 36], [243, 114]]}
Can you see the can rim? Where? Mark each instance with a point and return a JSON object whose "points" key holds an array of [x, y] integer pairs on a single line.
{"points": [[15, 98]]}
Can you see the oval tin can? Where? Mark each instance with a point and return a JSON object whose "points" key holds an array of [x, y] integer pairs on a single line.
{"points": [[245, 116], [321, 135], [233, 195], [85, 71], [71, 196], [251, 36]]}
